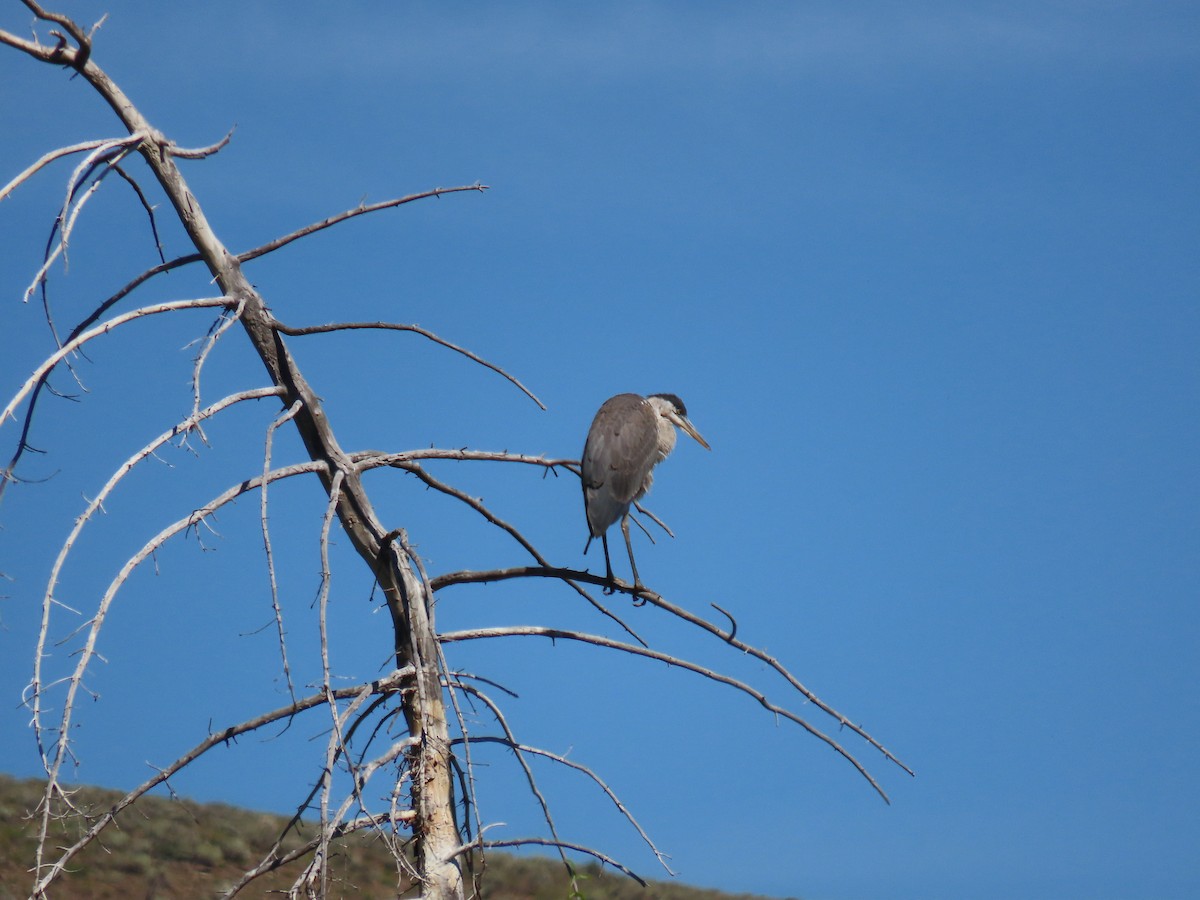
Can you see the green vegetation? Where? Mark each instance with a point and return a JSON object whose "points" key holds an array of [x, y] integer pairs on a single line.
{"points": [[162, 848]]}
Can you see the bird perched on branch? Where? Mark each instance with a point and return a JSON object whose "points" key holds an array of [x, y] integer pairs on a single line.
{"points": [[628, 438]]}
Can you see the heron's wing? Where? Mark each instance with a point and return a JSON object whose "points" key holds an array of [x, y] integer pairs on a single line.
{"points": [[620, 451]]}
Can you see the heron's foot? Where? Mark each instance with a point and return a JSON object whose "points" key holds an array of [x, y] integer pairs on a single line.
{"points": [[638, 587]]}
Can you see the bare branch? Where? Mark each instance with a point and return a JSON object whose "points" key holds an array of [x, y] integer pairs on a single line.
{"points": [[59, 53], [55, 358], [488, 575], [336, 743], [415, 329], [201, 152], [72, 28], [732, 621], [109, 154], [331, 828], [36, 49], [478, 505], [273, 861], [470, 798], [88, 651], [361, 209], [286, 416], [385, 685], [607, 643], [97, 503], [51, 157], [121, 147], [473, 502], [579, 767], [245, 256], [360, 774], [646, 595], [729, 637], [6, 475], [137, 189], [373, 459], [522, 761], [224, 321], [657, 521]]}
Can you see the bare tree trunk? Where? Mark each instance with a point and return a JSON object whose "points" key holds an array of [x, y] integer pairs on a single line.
{"points": [[434, 827]]}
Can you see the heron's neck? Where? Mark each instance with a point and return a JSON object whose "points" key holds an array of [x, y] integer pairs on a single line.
{"points": [[666, 438]]}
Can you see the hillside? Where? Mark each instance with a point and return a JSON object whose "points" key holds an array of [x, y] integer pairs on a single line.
{"points": [[181, 849]]}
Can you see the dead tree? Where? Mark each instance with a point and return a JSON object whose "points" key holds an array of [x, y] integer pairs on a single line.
{"points": [[430, 764]]}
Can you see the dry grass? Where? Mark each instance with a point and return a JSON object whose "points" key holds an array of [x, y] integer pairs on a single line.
{"points": [[180, 849]]}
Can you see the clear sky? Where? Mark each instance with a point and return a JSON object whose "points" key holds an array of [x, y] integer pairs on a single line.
{"points": [[927, 276]]}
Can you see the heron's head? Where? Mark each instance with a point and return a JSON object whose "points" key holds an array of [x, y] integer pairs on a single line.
{"points": [[671, 408]]}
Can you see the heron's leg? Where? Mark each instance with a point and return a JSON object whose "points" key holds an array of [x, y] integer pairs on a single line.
{"points": [[607, 564], [637, 581]]}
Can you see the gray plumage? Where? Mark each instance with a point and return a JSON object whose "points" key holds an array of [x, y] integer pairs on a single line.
{"points": [[628, 438]]}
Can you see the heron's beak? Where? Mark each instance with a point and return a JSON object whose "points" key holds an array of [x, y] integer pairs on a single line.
{"points": [[691, 430]]}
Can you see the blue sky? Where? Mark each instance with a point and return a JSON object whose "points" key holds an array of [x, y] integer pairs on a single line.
{"points": [[926, 275]]}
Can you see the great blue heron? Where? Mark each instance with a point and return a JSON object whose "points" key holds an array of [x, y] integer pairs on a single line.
{"points": [[628, 438]]}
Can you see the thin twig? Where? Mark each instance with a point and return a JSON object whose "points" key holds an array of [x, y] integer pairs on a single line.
{"points": [[655, 519], [146, 205], [336, 743], [579, 767], [286, 416], [227, 318]]}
